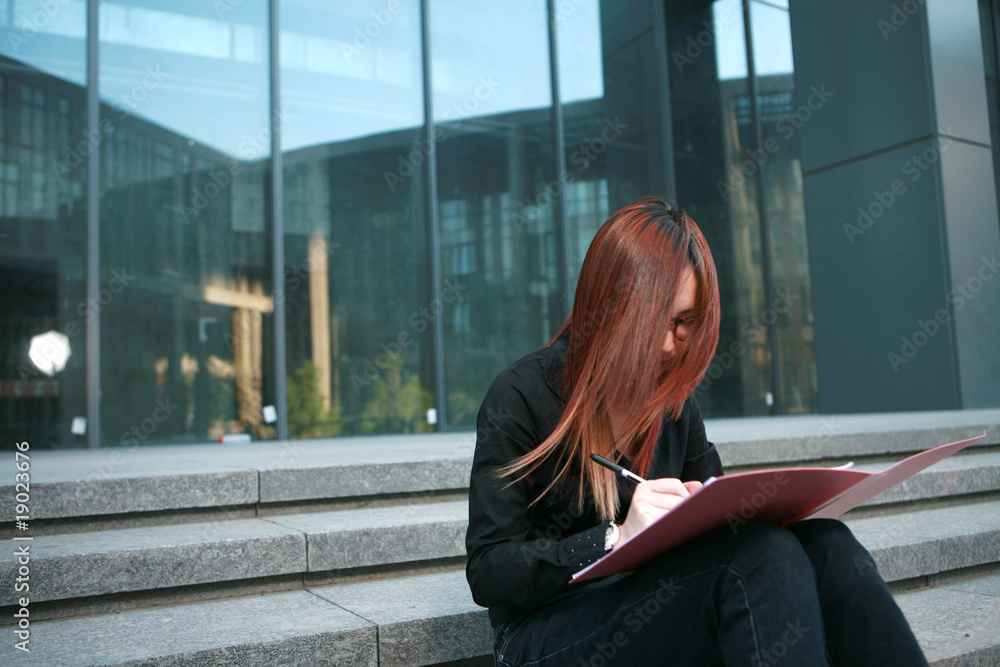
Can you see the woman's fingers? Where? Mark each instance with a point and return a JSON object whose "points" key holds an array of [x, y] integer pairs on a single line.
{"points": [[665, 492], [693, 485], [653, 499]]}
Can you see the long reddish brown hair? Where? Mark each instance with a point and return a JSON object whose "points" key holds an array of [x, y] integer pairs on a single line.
{"points": [[619, 321]]}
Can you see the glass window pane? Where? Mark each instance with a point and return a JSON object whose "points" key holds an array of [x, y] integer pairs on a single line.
{"points": [[355, 248], [989, 21], [43, 156], [186, 302], [782, 171], [611, 84], [496, 182], [713, 140], [47, 35]]}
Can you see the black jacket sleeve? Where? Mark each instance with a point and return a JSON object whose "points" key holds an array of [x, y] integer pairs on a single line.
{"points": [[701, 459], [512, 562]]}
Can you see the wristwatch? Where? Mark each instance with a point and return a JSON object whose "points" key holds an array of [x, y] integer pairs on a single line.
{"points": [[611, 536]]}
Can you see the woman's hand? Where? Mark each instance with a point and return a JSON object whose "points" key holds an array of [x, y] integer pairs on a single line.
{"points": [[651, 500]]}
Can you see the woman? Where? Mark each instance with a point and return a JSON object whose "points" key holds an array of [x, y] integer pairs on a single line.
{"points": [[618, 381]]}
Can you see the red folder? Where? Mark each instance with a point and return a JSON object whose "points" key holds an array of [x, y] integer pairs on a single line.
{"points": [[781, 496]]}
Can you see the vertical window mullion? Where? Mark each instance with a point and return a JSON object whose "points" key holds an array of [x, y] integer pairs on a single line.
{"points": [[431, 216], [559, 154], [277, 234], [93, 324]]}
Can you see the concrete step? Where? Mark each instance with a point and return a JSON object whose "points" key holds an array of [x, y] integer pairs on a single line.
{"points": [[963, 474], [908, 545], [422, 620], [94, 483], [113, 561], [381, 535], [295, 628], [928, 542], [417, 620], [958, 623], [795, 439], [969, 473], [69, 485]]}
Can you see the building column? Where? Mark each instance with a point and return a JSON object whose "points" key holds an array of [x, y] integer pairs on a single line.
{"points": [[900, 203]]}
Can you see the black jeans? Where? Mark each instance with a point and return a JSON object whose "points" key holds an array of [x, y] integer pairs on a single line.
{"points": [[761, 596]]}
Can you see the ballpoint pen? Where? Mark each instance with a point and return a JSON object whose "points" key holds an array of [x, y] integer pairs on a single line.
{"points": [[628, 474], [617, 469]]}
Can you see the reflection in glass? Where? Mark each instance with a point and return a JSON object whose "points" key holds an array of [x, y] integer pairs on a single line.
{"points": [[48, 36], [354, 221], [713, 136], [496, 181], [614, 136], [186, 302], [43, 155], [782, 171], [989, 22]]}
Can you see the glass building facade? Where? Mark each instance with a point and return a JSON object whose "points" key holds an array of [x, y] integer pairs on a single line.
{"points": [[312, 218]]}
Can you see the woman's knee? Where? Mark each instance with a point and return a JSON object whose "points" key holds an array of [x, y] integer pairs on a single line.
{"points": [[828, 533], [829, 541], [841, 562], [760, 545]]}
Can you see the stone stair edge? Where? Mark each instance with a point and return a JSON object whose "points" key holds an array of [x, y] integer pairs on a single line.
{"points": [[957, 623], [71, 483], [432, 620], [967, 472], [437, 603], [881, 433], [922, 542], [349, 452]]}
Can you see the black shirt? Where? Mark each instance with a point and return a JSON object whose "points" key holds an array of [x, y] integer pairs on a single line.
{"points": [[521, 557]]}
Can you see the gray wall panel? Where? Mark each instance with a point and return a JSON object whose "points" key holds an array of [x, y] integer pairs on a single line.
{"points": [[874, 281], [973, 252], [957, 69], [874, 74]]}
